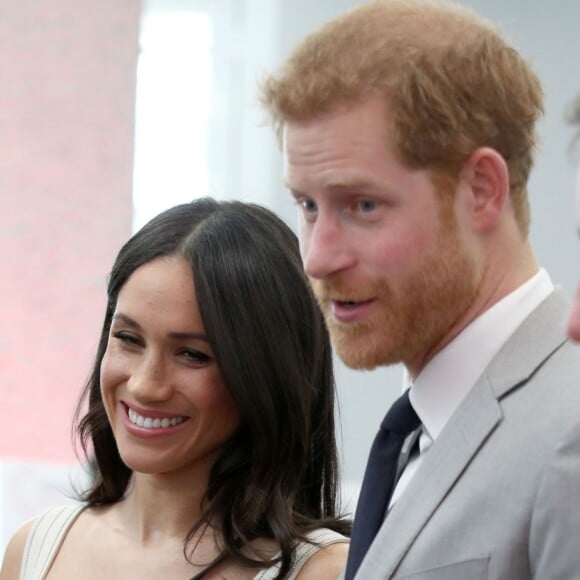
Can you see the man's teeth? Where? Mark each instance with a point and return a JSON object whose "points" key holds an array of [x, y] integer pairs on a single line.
{"points": [[153, 423]]}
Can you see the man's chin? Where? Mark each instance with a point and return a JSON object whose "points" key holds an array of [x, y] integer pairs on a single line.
{"points": [[362, 357]]}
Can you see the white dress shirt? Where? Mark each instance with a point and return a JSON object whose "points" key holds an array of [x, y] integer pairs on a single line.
{"points": [[442, 385]]}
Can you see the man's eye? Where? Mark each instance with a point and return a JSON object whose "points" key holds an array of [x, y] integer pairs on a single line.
{"points": [[366, 205], [307, 205]]}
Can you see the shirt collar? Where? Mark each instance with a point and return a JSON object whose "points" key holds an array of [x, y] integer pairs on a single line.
{"points": [[444, 382]]}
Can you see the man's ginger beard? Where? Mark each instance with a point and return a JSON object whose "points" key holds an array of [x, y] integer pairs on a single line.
{"points": [[407, 323]]}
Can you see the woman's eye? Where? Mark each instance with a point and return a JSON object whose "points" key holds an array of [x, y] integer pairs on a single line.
{"points": [[126, 338], [195, 356]]}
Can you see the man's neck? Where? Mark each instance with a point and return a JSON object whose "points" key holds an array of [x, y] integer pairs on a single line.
{"points": [[497, 282]]}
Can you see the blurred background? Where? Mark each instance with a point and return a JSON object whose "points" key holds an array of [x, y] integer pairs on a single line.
{"points": [[111, 111]]}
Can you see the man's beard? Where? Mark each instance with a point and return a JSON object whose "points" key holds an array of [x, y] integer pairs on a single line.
{"points": [[410, 322]]}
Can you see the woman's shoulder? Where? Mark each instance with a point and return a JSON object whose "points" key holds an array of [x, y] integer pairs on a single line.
{"points": [[325, 537], [35, 542], [12, 560], [326, 563], [321, 555], [325, 557]]}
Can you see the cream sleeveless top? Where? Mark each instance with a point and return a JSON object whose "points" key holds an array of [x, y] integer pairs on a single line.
{"points": [[49, 530]]}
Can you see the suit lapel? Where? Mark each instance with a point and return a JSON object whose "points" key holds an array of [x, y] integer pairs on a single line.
{"points": [[439, 470], [477, 417], [536, 339]]}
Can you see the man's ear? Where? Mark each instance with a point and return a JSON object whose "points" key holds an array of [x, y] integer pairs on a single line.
{"points": [[487, 178]]}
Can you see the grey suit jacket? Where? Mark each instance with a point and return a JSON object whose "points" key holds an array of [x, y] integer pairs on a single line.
{"points": [[498, 494]]}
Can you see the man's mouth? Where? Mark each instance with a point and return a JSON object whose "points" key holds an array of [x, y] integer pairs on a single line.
{"points": [[350, 303], [348, 311]]}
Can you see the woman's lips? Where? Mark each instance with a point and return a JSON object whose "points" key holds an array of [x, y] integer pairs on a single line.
{"points": [[146, 423]]}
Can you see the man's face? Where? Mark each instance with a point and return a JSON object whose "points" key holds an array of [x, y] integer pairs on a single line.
{"points": [[388, 259], [574, 319]]}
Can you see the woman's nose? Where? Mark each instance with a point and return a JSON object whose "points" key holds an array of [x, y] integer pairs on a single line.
{"points": [[149, 381]]}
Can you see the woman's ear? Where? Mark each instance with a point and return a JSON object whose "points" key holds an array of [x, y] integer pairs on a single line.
{"points": [[486, 175]]}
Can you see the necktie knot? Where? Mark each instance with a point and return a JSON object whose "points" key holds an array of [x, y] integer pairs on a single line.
{"points": [[401, 418]]}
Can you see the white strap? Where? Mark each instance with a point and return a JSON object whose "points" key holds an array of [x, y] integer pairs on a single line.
{"points": [[50, 529], [44, 540], [317, 540]]}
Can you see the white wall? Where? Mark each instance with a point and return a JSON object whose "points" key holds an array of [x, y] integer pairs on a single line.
{"points": [[28, 488]]}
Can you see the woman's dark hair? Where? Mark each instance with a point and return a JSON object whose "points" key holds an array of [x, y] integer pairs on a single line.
{"points": [[277, 476]]}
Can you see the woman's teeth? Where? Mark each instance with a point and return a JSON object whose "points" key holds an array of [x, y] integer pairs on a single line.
{"points": [[153, 422]]}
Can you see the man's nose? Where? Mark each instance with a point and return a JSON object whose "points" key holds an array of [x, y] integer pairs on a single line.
{"points": [[326, 247]]}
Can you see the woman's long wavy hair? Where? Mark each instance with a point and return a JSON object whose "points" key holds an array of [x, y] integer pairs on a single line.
{"points": [[277, 477]]}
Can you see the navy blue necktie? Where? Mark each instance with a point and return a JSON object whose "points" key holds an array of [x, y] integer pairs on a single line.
{"points": [[379, 479]]}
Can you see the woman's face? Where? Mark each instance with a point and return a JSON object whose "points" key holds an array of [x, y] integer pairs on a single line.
{"points": [[164, 395]]}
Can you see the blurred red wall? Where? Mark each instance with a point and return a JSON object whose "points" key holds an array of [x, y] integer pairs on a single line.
{"points": [[67, 93]]}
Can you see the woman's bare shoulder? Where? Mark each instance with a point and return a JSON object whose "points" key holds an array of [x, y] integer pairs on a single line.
{"points": [[14, 552], [326, 564]]}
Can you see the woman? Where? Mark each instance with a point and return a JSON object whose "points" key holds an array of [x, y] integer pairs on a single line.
{"points": [[210, 414]]}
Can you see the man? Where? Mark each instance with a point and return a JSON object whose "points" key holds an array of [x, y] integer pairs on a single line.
{"points": [[574, 320], [408, 133]]}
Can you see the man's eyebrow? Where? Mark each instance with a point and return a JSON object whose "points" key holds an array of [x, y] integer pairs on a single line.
{"points": [[340, 184]]}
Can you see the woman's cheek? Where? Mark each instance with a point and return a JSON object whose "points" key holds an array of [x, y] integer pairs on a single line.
{"points": [[112, 372]]}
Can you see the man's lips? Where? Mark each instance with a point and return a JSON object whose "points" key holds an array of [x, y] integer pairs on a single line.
{"points": [[350, 310]]}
